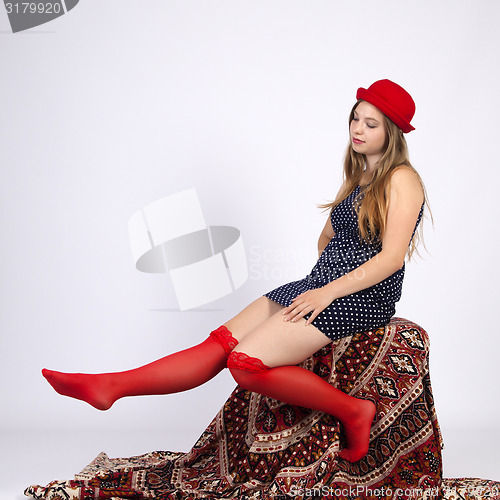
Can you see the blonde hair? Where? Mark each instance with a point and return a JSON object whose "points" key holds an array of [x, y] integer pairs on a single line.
{"points": [[371, 206]]}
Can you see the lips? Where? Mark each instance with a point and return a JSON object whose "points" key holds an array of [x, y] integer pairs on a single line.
{"points": [[357, 141]]}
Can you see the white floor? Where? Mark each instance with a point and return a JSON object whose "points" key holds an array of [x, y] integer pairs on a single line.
{"points": [[39, 457]]}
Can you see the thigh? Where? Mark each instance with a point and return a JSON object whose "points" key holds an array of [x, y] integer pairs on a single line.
{"points": [[278, 343], [252, 317]]}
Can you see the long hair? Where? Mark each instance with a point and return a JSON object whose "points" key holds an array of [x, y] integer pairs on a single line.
{"points": [[371, 206]]}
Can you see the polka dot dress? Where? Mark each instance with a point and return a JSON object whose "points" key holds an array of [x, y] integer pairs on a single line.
{"points": [[364, 310]]}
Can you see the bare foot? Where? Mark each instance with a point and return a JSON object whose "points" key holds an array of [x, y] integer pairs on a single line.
{"points": [[357, 431], [88, 388]]}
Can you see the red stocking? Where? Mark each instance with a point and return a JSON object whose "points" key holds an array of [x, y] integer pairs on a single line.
{"points": [[175, 373], [297, 386]]}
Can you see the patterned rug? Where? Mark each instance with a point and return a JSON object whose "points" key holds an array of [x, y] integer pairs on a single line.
{"points": [[257, 448]]}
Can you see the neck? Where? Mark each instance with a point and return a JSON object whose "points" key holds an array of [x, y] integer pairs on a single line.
{"points": [[371, 163], [370, 168]]}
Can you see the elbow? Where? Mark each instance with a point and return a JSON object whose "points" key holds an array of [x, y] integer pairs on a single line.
{"points": [[399, 264], [394, 262]]}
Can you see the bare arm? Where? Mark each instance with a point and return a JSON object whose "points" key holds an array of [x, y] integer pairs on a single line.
{"points": [[405, 199]]}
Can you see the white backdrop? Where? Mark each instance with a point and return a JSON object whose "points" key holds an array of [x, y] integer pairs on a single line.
{"points": [[121, 102]]}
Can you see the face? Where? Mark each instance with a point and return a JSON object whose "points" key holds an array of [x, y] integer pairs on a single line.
{"points": [[367, 131]]}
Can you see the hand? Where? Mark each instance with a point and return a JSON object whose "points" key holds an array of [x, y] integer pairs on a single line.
{"points": [[312, 301]]}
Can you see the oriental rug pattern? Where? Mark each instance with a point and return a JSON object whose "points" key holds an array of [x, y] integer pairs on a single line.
{"points": [[261, 449]]}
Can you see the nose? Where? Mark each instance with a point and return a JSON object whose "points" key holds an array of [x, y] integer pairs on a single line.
{"points": [[357, 127]]}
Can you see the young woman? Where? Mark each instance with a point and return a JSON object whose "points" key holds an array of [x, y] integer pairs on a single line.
{"points": [[352, 288]]}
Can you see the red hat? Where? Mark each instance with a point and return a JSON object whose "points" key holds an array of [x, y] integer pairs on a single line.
{"points": [[392, 100]]}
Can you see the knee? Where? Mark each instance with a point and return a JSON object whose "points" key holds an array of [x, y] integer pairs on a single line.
{"points": [[245, 369], [242, 378], [225, 338]]}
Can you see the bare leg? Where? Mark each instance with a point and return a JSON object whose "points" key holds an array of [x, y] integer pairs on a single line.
{"points": [[253, 316], [261, 363], [174, 373]]}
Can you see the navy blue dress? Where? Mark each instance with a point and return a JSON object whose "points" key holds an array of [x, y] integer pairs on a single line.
{"points": [[367, 309]]}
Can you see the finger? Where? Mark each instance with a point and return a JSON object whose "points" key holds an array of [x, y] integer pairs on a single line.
{"points": [[291, 306], [293, 312], [302, 313], [289, 310], [313, 316]]}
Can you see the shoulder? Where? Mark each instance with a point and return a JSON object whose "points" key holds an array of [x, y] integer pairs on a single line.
{"points": [[405, 184], [404, 174], [406, 178]]}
